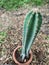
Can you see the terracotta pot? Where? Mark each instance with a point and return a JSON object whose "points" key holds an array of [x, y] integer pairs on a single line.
{"points": [[17, 62]]}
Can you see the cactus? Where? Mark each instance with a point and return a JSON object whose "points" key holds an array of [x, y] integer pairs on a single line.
{"points": [[32, 24]]}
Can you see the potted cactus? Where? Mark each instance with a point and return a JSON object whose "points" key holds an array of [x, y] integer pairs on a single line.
{"points": [[22, 55]]}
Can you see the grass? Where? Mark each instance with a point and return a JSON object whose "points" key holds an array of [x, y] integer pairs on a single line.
{"points": [[15, 4], [2, 36]]}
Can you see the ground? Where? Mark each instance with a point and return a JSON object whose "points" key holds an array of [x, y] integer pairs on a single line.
{"points": [[11, 22]]}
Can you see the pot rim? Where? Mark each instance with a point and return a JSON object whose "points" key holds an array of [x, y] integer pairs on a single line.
{"points": [[17, 62]]}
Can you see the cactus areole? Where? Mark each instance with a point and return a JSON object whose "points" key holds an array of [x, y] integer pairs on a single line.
{"points": [[31, 27]]}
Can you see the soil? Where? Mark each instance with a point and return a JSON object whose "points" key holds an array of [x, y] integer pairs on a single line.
{"points": [[12, 23], [19, 58]]}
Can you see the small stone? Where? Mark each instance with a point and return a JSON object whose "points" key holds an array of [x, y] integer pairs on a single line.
{"points": [[47, 62], [25, 60], [48, 50]]}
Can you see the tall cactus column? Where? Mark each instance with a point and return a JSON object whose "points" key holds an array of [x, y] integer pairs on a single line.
{"points": [[32, 24]]}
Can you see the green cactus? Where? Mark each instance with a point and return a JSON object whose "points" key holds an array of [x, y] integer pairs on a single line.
{"points": [[32, 24]]}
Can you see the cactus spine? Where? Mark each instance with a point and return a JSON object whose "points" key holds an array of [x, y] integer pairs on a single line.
{"points": [[32, 24]]}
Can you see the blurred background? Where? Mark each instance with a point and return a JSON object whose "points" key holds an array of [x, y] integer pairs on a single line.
{"points": [[15, 4]]}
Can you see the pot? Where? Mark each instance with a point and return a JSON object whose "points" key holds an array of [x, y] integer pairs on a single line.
{"points": [[15, 59]]}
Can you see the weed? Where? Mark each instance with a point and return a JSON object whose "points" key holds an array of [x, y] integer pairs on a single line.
{"points": [[2, 36]]}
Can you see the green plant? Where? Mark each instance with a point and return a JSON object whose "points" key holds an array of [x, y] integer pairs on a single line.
{"points": [[2, 36], [15, 4], [32, 24], [38, 2]]}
